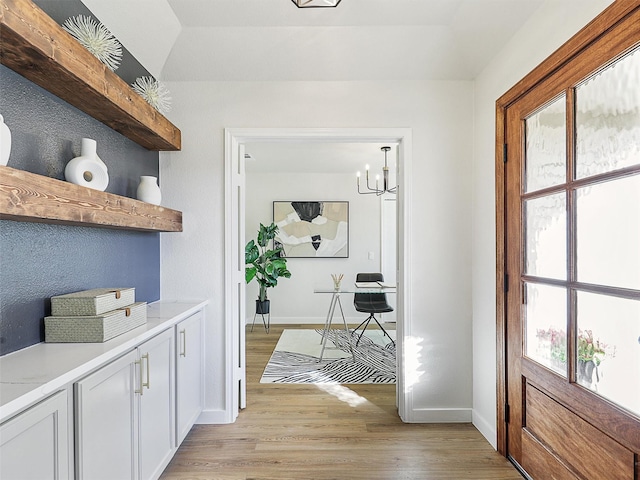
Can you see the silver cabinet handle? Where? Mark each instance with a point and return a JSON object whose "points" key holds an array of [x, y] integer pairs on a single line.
{"points": [[145, 384], [141, 371], [183, 338]]}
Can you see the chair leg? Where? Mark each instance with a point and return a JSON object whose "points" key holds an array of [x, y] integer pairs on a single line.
{"points": [[366, 324], [358, 327], [383, 330]]}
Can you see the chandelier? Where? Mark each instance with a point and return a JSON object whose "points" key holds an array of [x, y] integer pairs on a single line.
{"points": [[316, 3], [385, 179]]}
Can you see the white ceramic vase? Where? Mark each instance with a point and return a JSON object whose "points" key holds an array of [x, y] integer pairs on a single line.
{"points": [[87, 170], [5, 142], [148, 190]]}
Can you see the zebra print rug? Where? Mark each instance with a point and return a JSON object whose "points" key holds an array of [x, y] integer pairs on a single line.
{"points": [[295, 358]]}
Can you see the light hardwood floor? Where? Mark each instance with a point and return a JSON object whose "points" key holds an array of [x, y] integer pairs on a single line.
{"points": [[315, 432]]}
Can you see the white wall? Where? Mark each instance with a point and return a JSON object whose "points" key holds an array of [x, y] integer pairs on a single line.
{"points": [[293, 300], [553, 24], [440, 115]]}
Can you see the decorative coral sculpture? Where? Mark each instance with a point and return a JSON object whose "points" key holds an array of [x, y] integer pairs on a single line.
{"points": [[96, 38], [154, 92]]}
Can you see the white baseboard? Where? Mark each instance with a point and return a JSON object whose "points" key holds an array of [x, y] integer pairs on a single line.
{"points": [[291, 320], [214, 417], [488, 430], [440, 415]]}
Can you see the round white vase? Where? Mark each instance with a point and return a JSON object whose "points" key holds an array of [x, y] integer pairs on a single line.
{"points": [[87, 170], [5, 142], [148, 190]]}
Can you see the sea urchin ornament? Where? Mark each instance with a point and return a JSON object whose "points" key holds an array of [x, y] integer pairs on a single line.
{"points": [[154, 92], [96, 38]]}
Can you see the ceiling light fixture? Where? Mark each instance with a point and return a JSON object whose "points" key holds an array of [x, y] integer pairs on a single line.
{"points": [[385, 179], [316, 3]]}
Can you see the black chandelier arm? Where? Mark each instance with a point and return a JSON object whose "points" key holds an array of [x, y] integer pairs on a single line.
{"points": [[370, 190], [376, 190], [369, 193]]}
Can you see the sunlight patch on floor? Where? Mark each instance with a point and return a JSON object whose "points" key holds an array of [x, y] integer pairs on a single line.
{"points": [[343, 394]]}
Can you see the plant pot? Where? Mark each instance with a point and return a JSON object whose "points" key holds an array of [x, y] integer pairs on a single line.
{"points": [[263, 308], [585, 372]]}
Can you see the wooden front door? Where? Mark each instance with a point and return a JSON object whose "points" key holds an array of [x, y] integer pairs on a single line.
{"points": [[570, 301]]}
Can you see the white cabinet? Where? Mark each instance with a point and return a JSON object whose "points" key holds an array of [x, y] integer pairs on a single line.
{"points": [[190, 371], [106, 421], [157, 405], [125, 419], [35, 444], [108, 409]]}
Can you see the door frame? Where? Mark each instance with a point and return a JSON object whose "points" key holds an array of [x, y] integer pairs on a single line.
{"points": [[235, 139], [611, 16], [385, 223]]}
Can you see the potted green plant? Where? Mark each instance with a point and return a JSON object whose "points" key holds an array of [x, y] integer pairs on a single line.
{"points": [[264, 264], [590, 352]]}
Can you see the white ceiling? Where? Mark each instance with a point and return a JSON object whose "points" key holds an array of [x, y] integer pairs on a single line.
{"points": [[265, 40]]}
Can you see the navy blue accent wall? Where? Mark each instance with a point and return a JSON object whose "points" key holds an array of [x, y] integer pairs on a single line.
{"points": [[38, 261]]}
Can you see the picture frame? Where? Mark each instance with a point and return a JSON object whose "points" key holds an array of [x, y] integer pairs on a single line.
{"points": [[312, 229]]}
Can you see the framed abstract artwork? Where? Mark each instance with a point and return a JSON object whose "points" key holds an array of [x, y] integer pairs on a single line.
{"points": [[312, 229]]}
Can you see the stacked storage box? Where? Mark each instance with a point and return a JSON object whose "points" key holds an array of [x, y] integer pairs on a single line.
{"points": [[94, 315]]}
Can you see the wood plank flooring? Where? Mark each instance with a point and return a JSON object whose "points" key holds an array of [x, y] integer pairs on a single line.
{"points": [[315, 432]]}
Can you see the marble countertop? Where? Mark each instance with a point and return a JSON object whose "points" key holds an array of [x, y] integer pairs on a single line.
{"points": [[33, 373]]}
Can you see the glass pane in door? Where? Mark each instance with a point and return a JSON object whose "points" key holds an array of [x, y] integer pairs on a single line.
{"points": [[608, 118], [608, 233], [546, 151], [546, 326], [608, 348], [545, 236]]}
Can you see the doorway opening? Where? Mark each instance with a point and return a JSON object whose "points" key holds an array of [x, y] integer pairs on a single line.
{"points": [[235, 184]]}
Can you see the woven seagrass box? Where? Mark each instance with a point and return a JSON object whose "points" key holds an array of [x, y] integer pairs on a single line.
{"points": [[94, 328], [92, 302]]}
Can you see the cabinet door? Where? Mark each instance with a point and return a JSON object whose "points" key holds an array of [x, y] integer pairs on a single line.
{"points": [[34, 444], [157, 418], [106, 422], [189, 379]]}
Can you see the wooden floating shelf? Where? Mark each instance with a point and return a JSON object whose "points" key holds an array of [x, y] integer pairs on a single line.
{"points": [[27, 197], [39, 49]]}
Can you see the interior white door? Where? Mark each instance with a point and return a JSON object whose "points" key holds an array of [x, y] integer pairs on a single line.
{"points": [[234, 273]]}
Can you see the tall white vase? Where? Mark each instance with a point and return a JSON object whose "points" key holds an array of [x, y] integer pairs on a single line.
{"points": [[87, 170], [5, 142], [148, 190]]}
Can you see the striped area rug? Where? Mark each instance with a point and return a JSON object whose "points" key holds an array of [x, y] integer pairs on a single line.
{"points": [[295, 358]]}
